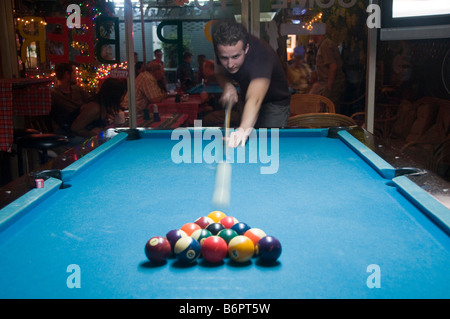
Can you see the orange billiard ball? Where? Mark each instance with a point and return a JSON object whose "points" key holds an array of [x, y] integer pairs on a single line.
{"points": [[189, 228]]}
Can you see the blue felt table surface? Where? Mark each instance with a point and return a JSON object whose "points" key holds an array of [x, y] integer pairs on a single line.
{"points": [[333, 213]]}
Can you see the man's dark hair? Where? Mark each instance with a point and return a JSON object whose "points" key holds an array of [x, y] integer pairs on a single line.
{"points": [[229, 33], [62, 68], [187, 55], [110, 94]]}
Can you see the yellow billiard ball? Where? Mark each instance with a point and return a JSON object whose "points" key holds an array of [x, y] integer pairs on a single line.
{"points": [[241, 249], [216, 215]]}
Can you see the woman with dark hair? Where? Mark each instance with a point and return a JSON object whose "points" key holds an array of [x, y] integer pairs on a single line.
{"points": [[94, 115]]}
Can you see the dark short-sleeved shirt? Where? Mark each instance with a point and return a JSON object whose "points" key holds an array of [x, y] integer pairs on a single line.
{"points": [[263, 62], [66, 106]]}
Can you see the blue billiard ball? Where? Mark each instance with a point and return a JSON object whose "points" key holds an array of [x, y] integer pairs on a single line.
{"points": [[187, 250], [268, 249], [240, 228]]}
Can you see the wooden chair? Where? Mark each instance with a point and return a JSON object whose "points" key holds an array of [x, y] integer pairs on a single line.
{"points": [[440, 159], [311, 103], [320, 120]]}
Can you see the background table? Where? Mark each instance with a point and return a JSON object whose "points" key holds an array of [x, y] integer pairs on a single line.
{"points": [[335, 206], [21, 97], [189, 107], [167, 121]]}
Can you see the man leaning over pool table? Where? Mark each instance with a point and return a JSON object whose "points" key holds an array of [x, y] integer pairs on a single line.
{"points": [[255, 66]]}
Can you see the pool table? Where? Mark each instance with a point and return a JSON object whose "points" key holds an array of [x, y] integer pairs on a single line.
{"points": [[350, 224]]}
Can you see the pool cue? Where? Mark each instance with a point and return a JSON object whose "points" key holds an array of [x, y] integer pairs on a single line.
{"points": [[221, 196]]}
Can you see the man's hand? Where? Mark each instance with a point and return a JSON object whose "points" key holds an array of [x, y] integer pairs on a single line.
{"points": [[238, 137], [229, 94]]}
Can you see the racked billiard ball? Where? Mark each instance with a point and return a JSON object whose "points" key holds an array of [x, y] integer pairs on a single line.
{"points": [[240, 228], [227, 234], [187, 250], [157, 249], [228, 221], [214, 249], [216, 215], [200, 235], [189, 228], [241, 249], [215, 228], [255, 234], [173, 236], [268, 249], [204, 221]]}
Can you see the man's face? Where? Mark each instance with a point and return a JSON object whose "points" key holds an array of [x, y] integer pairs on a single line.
{"points": [[232, 56], [71, 77]]}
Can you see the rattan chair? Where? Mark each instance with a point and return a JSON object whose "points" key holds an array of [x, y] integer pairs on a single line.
{"points": [[311, 103], [320, 120], [439, 161]]}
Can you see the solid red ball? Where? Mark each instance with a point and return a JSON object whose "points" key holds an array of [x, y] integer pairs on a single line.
{"points": [[214, 249], [157, 249], [228, 221]]}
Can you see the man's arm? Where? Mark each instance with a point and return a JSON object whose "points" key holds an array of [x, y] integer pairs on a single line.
{"points": [[255, 95]]}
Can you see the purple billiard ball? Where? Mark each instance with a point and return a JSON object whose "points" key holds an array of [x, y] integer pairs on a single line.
{"points": [[173, 236], [268, 249]]}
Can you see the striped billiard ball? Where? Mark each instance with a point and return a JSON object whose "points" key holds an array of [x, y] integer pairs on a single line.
{"points": [[187, 250], [200, 235], [204, 221], [174, 235], [255, 234], [241, 249]]}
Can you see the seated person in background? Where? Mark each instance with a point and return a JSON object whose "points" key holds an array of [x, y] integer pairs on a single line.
{"points": [[209, 101], [158, 58], [330, 77], [138, 68], [201, 58], [298, 72], [67, 98], [157, 70], [150, 88], [94, 116], [185, 74]]}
